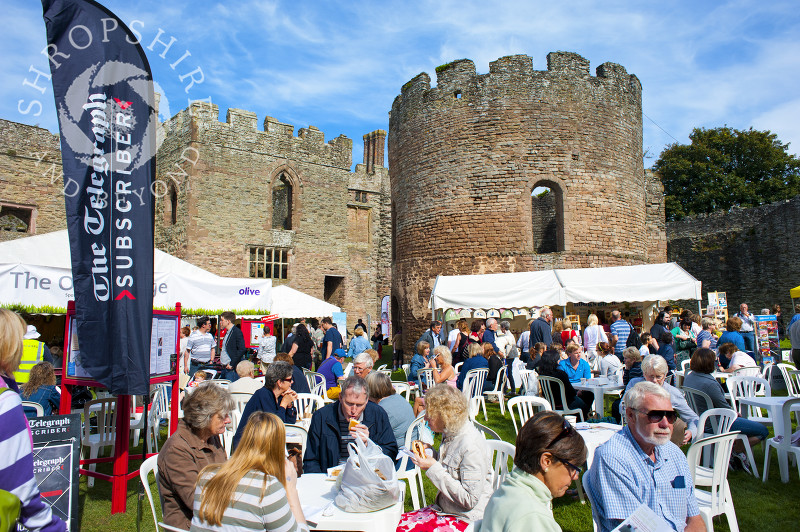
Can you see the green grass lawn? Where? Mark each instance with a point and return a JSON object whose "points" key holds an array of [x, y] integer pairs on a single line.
{"points": [[759, 506]]}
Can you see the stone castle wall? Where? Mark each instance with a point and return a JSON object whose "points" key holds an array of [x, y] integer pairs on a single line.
{"points": [[224, 203], [751, 254], [465, 155], [30, 177]]}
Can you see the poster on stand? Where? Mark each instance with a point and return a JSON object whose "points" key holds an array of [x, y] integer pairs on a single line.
{"points": [[767, 340], [56, 455], [385, 320]]}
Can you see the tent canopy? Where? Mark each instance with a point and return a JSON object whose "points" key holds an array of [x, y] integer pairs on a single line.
{"points": [[25, 262], [794, 292], [644, 282]]}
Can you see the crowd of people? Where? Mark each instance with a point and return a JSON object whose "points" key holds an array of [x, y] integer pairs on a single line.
{"points": [[256, 487]]}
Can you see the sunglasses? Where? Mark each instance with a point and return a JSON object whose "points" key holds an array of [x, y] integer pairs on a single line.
{"points": [[566, 430], [573, 469], [655, 416], [290, 379]]}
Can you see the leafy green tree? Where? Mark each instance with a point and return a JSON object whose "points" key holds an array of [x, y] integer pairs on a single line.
{"points": [[724, 168]]}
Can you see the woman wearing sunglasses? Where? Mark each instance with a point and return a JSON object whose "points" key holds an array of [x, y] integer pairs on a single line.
{"points": [[276, 397], [548, 460]]}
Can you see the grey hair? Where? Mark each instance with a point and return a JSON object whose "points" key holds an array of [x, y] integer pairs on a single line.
{"points": [[636, 395], [244, 368], [355, 384], [444, 351], [490, 322], [203, 403], [364, 358], [277, 371], [654, 364], [707, 322], [505, 325]]}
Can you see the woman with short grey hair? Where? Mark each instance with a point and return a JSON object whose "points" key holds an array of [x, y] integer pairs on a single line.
{"points": [[193, 446], [276, 397]]}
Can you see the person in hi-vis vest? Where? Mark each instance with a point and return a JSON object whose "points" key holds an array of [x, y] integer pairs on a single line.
{"points": [[33, 352]]}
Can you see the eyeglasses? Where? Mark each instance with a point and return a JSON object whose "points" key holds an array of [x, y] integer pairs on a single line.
{"points": [[566, 430], [573, 469], [290, 379], [655, 416]]}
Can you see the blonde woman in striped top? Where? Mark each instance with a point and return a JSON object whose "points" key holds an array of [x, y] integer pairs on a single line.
{"points": [[256, 489]]}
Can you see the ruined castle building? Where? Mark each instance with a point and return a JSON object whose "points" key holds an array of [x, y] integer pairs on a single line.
{"points": [[244, 202], [238, 201], [465, 157]]}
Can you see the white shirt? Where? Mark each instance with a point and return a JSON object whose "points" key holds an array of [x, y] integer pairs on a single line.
{"points": [[740, 358], [452, 338], [504, 341], [266, 352], [609, 365], [592, 335]]}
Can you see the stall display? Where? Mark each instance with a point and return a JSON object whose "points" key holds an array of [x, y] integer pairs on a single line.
{"points": [[767, 341]]}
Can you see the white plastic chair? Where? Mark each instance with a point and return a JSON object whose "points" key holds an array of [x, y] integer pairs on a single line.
{"points": [[297, 434], [414, 475], [224, 383], [386, 372], [685, 365], [499, 384], [457, 368], [402, 388], [530, 381], [151, 466], [488, 433], [549, 385], [382, 366], [791, 376], [473, 389], [262, 379], [592, 503], [36, 406], [425, 376], [156, 413], [307, 403], [750, 387], [499, 453], [784, 446], [717, 500], [240, 399], [106, 428], [527, 406]]}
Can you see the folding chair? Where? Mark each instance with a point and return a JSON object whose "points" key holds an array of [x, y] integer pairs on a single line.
{"points": [[499, 384], [527, 406], [552, 388]]}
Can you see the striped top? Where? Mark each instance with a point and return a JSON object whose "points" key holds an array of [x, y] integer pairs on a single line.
{"points": [[247, 510], [16, 463]]}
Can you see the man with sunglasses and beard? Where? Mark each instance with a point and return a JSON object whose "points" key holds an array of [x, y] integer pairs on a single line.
{"points": [[640, 465]]}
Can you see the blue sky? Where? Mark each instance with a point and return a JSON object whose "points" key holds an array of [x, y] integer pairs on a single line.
{"points": [[339, 65]]}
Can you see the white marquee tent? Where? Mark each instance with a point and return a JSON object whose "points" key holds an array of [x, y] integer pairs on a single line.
{"points": [[640, 283], [36, 272]]}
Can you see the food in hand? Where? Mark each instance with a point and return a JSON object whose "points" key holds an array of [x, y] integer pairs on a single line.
{"points": [[353, 423], [418, 448]]}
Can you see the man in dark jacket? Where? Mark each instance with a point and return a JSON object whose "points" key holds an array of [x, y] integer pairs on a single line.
{"points": [[431, 336], [330, 431], [541, 330], [233, 349]]}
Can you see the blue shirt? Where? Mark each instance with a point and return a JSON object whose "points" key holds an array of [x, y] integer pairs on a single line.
{"points": [[488, 337], [583, 371], [621, 329], [622, 477], [331, 369], [358, 345], [331, 335], [475, 362], [704, 335], [45, 395], [734, 337]]}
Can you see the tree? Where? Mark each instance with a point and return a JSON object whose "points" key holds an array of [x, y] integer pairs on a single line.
{"points": [[724, 168]]}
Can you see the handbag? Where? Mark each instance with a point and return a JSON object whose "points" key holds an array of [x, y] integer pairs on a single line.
{"points": [[368, 481], [633, 339], [9, 503]]}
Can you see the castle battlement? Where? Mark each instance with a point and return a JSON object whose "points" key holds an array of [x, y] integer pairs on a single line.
{"points": [[460, 80]]}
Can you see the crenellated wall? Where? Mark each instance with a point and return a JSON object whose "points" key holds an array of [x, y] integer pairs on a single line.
{"points": [[465, 155]]}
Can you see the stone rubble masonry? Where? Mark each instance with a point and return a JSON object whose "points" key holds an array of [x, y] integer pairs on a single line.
{"points": [[751, 254], [30, 175], [465, 155]]}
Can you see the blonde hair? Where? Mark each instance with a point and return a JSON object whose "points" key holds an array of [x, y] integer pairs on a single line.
{"points": [[42, 374], [374, 354], [262, 448], [12, 330], [591, 320], [474, 350], [558, 326], [445, 353], [358, 331], [448, 405]]}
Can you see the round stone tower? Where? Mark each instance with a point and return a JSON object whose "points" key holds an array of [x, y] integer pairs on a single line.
{"points": [[465, 157]]}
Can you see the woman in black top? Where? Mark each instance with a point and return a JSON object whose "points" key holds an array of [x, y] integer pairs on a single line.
{"points": [[548, 366], [301, 347], [377, 340]]}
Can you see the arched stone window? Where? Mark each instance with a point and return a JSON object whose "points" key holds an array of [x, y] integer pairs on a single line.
{"points": [[282, 203], [547, 218]]}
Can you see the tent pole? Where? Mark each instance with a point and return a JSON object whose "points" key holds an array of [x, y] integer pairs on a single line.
{"points": [[699, 307]]}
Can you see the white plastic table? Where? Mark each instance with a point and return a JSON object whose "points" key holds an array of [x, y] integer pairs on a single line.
{"points": [[317, 495], [595, 436], [775, 407], [599, 391]]}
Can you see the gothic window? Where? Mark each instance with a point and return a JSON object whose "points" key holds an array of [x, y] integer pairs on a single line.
{"points": [[282, 203], [361, 196], [16, 218], [269, 263], [547, 218]]}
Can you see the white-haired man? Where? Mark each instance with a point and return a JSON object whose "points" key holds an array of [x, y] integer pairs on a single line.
{"points": [[362, 365], [640, 465]]}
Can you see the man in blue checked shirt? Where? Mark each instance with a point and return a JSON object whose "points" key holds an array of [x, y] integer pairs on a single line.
{"points": [[640, 465]]}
